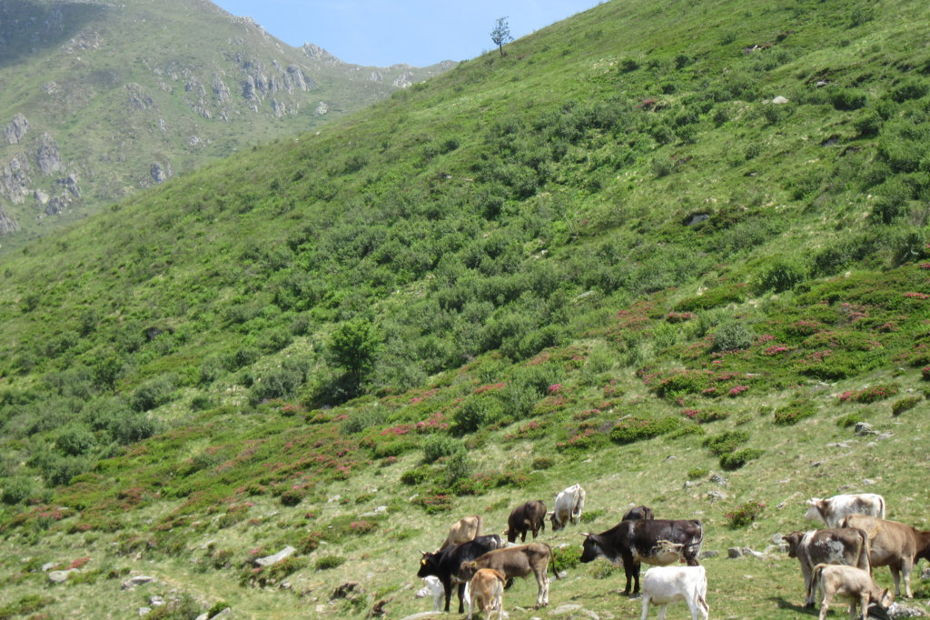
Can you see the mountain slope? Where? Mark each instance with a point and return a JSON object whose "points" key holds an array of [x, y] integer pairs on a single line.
{"points": [[609, 257], [101, 99]]}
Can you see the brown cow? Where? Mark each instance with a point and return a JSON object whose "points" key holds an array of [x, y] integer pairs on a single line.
{"points": [[895, 545], [517, 561], [465, 529], [849, 546], [486, 591], [531, 516], [852, 583]]}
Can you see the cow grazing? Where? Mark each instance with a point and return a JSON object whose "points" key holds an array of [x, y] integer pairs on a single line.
{"points": [[665, 584], [531, 516], [834, 509], [568, 506], [849, 546], [517, 561], [654, 541], [486, 591], [852, 583], [895, 545], [465, 529], [446, 565], [432, 588], [640, 512]]}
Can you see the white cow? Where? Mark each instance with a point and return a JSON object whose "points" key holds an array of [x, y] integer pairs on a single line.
{"points": [[432, 587], [665, 584], [568, 506], [834, 509]]}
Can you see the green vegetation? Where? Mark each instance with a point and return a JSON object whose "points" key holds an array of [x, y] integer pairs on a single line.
{"points": [[605, 257]]}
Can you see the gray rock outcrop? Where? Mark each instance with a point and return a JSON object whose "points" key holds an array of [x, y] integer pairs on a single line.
{"points": [[14, 178], [48, 158], [16, 129], [160, 173], [7, 223], [281, 555]]}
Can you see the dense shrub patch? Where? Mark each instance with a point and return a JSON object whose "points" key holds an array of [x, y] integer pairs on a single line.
{"points": [[635, 428], [794, 412]]}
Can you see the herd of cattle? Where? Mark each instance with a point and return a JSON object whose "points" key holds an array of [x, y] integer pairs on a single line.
{"points": [[837, 560]]}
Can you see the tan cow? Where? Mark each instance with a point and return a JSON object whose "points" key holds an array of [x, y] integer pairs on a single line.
{"points": [[852, 583], [486, 591], [895, 545], [465, 529], [518, 561]]}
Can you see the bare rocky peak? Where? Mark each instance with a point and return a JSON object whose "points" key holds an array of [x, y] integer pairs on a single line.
{"points": [[318, 53], [7, 223], [16, 129]]}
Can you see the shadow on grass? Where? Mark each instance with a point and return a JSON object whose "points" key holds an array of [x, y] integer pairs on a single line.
{"points": [[801, 609]]}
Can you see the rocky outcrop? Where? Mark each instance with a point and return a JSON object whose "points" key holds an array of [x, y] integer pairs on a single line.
{"points": [[70, 183], [138, 100], [295, 79], [220, 90], [318, 53], [7, 223], [16, 129], [160, 173], [48, 158], [322, 108], [404, 80]]}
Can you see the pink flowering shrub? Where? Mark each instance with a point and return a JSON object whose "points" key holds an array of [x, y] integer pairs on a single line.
{"points": [[737, 390]]}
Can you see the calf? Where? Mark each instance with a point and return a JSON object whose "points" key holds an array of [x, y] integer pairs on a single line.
{"points": [[486, 591], [446, 565], [654, 541], [834, 509], [432, 587], [849, 546], [665, 584], [895, 545], [640, 512], [852, 583], [531, 516], [568, 506], [517, 561], [465, 529]]}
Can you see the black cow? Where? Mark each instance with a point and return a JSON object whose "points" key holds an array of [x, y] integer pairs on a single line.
{"points": [[640, 512], [658, 541], [531, 516], [445, 564]]}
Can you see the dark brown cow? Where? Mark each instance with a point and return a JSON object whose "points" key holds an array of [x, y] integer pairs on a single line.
{"points": [[849, 546], [895, 545], [654, 541], [517, 561], [640, 512], [531, 516]]}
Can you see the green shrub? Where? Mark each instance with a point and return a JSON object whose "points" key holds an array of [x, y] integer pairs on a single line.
{"points": [[328, 562], [133, 427], [909, 88], [292, 497], [869, 124], [794, 412], [416, 476], [17, 490], [361, 420], [781, 276], [850, 420], [713, 298], [635, 428], [725, 442], [75, 440], [847, 98], [542, 462], [437, 446], [737, 459], [458, 467], [908, 402], [697, 472], [744, 514], [276, 383], [732, 336], [153, 393], [434, 504], [479, 411]]}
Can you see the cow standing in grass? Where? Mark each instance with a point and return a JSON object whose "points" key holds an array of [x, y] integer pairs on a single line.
{"points": [[531, 516]]}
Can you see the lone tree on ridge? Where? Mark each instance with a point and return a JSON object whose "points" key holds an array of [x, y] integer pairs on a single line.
{"points": [[501, 33]]}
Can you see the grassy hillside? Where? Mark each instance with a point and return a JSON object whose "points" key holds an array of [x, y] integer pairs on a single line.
{"points": [[100, 99], [609, 257]]}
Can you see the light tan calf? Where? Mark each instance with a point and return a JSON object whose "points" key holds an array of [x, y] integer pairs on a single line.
{"points": [[852, 583], [486, 592], [465, 529]]}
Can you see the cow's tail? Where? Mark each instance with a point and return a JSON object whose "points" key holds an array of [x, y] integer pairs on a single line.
{"points": [[816, 579], [881, 507], [555, 569], [480, 524], [692, 550], [865, 550]]}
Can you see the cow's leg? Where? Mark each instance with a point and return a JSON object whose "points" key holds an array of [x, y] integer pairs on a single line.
{"points": [[864, 602], [636, 578], [808, 584], [645, 607], [825, 605], [693, 606], [703, 606], [662, 610], [447, 588], [628, 571], [906, 567], [896, 577], [461, 597]]}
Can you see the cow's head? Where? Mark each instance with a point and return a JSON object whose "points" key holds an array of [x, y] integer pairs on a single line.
{"points": [[429, 564], [886, 599], [511, 534], [815, 507], [467, 570], [591, 548], [793, 539], [556, 524]]}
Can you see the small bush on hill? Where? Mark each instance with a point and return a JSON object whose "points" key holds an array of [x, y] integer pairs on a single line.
{"points": [[904, 404], [437, 446], [635, 428], [778, 277], [737, 459], [794, 412], [725, 442], [744, 514], [732, 336], [847, 98]]}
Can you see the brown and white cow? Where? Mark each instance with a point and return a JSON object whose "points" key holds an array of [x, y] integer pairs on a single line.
{"points": [[517, 561], [852, 583], [833, 510], [849, 546], [465, 529], [531, 516], [895, 545], [653, 541], [486, 592]]}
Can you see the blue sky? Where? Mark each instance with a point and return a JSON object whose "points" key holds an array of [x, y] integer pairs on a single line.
{"points": [[386, 32]]}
